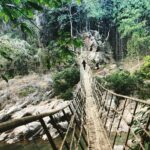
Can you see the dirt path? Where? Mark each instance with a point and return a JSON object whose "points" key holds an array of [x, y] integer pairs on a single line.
{"points": [[96, 133]]}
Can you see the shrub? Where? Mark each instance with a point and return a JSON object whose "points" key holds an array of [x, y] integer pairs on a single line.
{"points": [[67, 94], [145, 69], [144, 74], [144, 91], [122, 82], [64, 82]]}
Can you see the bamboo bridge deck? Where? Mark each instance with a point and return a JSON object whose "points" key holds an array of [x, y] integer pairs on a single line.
{"points": [[96, 133]]}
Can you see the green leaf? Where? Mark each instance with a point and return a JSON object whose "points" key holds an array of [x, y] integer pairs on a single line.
{"points": [[25, 28], [4, 54], [17, 1], [8, 13], [34, 5], [78, 1], [6, 18]]}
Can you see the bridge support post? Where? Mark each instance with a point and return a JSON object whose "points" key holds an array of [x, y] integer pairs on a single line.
{"points": [[58, 130], [136, 105], [119, 122], [50, 139], [109, 107], [103, 105]]}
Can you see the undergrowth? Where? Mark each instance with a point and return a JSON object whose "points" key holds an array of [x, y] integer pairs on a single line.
{"points": [[65, 81]]}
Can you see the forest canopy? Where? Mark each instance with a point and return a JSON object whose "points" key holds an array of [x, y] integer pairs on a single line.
{"points": [[57, 25]]}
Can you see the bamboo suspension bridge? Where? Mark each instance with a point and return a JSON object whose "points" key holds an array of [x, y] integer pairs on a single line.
{"points": [[93, 121]]}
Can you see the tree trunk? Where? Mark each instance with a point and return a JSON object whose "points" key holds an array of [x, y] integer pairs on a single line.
{"points": [[116, 51], [71, 23]]}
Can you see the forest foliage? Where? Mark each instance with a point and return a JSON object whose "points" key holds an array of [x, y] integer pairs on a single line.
{"points": [[129, 18], [126, 83]]}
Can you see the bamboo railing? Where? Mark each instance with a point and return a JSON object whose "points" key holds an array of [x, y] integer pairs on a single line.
{"points": [[114, 118]]}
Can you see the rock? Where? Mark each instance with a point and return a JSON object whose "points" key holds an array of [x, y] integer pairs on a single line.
{"points": [[97, 51], [62, 104], [11, 141], [130, 142], [104, 72], [19, 131], [123, 127], [34, 126], [44, 137], [23, 112], [114, 66], [146, 81], [4, 117], [118, 147], [53, 133], [14, 109], [63, 125], [109, 99], [3, 136], [25, 131], [4, 97], [46, 120], [24, 104], [48, 94], [47, 78]]}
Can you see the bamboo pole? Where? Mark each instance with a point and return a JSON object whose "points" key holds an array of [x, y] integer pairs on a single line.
{"points": [[8, 125]]}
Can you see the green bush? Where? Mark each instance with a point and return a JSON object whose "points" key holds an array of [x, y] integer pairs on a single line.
{"points": [[122, 82], [144, 75], [144, 91], [67, 94], [144, 72], [64, 82]]}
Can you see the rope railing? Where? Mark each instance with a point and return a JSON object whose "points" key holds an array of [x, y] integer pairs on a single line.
{"points": [[126, 119], [73, 113]]}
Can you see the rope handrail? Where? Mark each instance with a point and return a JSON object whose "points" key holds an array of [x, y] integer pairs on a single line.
{"points": [[123, 96], [8, 125]]}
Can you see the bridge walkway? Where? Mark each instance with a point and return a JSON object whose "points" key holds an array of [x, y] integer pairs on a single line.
{"points": [[97, 137]]}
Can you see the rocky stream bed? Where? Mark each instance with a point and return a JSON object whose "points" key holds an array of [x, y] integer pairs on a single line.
{"points": [[25, 96]]}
